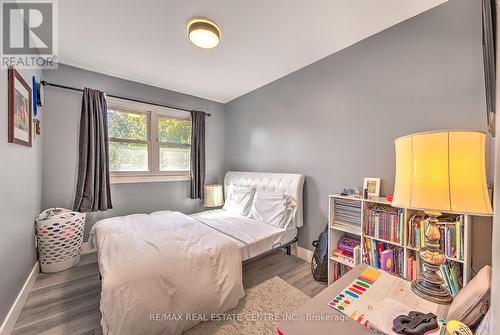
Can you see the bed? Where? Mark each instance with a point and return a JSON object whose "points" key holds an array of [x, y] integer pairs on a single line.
{"points": [[164, 272], [252, 237]]}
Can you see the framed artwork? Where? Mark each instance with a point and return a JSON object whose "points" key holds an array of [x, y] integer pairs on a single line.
{"points": [[20, 115], [373, 186]]}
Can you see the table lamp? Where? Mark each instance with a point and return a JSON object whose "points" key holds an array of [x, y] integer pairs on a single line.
{"points": [[213, 196], [441, 171]]}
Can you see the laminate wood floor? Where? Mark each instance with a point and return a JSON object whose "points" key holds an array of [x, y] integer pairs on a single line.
{"points": [[67, 302]]}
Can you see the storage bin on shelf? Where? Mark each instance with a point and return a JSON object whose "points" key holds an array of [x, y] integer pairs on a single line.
{"points": [[60, 236]]}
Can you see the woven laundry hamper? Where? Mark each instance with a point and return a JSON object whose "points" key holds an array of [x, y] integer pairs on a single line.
{"points": [[60, 235]]}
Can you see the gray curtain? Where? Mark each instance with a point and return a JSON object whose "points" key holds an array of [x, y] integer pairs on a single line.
{"points": [[197, 154], [93, 191]]}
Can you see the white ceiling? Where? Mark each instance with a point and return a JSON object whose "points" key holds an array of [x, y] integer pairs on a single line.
{"points": [[262, 40]]}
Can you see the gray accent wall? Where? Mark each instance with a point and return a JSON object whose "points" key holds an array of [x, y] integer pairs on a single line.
{"points": [[60, 145], [335, 121], [20, 189]]}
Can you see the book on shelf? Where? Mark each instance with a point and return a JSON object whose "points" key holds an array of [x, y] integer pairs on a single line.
{"points": [[416, 231], [452, 234], [384, 222], [377, 254], [357, 255], [339, 270], [387, 260], [413, 267], [453, 238], [451, 272]]}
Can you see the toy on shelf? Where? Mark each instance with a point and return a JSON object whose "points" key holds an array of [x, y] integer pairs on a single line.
{"points": [[345, 257], [348, 244]]}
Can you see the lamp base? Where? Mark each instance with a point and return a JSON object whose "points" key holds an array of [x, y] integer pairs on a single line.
{"points": [[431, 290], [429, 285]]}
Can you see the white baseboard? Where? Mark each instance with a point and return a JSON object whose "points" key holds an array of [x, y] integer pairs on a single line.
{"points": [[303, 253], [85, 249], [11, 318]]}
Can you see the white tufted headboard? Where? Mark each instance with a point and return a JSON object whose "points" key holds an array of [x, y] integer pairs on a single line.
{"points": [[289, 183]]}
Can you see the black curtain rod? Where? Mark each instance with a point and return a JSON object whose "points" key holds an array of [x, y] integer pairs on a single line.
{"points": [[45, 83]]}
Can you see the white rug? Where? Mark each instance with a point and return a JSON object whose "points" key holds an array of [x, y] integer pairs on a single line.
{"points": [[257, 312]]}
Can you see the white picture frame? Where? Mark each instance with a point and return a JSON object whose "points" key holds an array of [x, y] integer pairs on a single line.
{"points": [[373, 186]]}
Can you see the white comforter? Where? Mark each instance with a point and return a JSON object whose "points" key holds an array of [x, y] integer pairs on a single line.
{"points": [[253, 237], [164, 272]]}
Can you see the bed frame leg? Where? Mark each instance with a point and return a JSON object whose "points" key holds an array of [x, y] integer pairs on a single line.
{"points": [[288, 247]]}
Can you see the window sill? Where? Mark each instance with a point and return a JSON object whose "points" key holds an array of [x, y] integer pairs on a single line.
{"points": [[147, 179]]}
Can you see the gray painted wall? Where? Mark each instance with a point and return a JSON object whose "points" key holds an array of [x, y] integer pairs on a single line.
{"points": [[20, 188], [335, 121], [60, 145]]}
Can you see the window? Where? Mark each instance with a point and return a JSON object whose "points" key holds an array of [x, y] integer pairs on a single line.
{"points": [[147, 143], [175, 144], [128, 140]]}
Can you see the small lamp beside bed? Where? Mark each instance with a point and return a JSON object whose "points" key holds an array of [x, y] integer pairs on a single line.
{"points": [[214, 196]]}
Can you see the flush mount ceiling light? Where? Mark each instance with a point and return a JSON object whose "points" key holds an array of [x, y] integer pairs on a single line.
{"points": [[203, 33]]}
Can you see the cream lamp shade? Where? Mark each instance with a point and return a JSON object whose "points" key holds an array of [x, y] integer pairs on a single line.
{"points": [[213, 195], [442, 171]]}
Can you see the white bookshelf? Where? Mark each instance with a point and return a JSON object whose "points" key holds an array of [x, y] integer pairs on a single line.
{"points": [[338, 228]]}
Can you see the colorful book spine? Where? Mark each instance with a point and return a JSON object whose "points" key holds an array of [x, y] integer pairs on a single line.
{"points": [[452, 235], [415, 235], [422, 234], [375, 256], [413, 267], [417, 238], [445, 279], [387, 260], [453, 240], [339, 270], [451, 273], [409, 268], [384, 256], [384, 222]]}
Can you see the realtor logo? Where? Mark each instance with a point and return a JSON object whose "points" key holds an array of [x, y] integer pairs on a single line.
{"points": [[29, 34]]}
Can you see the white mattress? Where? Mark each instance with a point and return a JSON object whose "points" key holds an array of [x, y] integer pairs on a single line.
{"points": [[252, 236]]}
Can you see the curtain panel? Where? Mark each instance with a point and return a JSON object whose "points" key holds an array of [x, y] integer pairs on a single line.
{"points": [[93, 188], [197, 155]]}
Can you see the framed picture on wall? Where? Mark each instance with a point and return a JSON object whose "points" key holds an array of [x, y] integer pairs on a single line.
{"points": [[20, 115], [373, 186]]}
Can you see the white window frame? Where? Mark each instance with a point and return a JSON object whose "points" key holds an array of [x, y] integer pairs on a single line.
{"points": [[154, 174]]}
